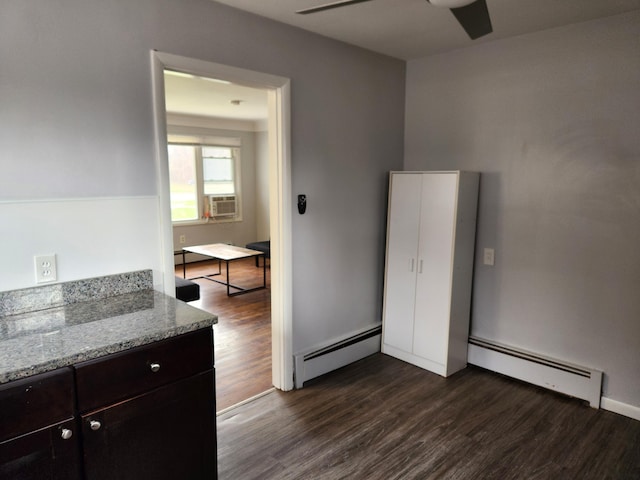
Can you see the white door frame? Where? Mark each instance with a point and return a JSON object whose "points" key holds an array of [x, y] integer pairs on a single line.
{"points": [[279, 135]]}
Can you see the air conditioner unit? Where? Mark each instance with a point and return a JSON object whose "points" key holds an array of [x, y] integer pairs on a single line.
{"points": [[222, 206]]}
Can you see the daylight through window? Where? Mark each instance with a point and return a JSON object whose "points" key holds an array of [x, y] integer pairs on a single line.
{"points": [[202, 177]]}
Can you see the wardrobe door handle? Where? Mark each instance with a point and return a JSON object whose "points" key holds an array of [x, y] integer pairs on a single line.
{"points": [[420, 267], [411, 264]]}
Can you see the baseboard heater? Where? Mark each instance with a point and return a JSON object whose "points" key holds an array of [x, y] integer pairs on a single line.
{"points": [[338, 353], [573, 380]]}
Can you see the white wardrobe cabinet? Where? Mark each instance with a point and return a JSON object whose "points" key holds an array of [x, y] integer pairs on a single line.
{"points": [[431, 229]]}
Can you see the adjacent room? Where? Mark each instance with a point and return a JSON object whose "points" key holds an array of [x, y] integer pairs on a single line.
{"points": [[217, 146], [536, 101]]}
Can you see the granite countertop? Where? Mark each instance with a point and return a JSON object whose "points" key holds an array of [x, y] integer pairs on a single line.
{"points": [[34, 342]]}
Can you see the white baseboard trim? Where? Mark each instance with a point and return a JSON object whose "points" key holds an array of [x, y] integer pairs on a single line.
{"points": [[336, 354], [576, 381], [621, 408]]}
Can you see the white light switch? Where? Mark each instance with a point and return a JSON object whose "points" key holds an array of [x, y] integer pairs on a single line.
{"points": [[489, 256]]}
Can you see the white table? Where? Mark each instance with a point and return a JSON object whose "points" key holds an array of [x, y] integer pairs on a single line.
{"points": [[225, 253]]}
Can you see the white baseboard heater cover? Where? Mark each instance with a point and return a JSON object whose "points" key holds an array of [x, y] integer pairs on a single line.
{"points": [[336, 354], [576, 381]]}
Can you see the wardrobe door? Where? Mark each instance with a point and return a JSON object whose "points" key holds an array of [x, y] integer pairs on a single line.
{"points": [[435, 260], [402, 260]]}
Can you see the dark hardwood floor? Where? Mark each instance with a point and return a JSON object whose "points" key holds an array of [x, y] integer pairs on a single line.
{"points": [[381, 418], [242, 337]]}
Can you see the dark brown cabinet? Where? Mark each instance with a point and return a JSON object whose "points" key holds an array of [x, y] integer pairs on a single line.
{"points": [[38, 433], [168, 433], [148, 412], [46, 454]]}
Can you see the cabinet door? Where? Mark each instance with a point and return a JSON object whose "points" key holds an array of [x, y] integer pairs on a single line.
{"points": [[433, 286], [402, 260], [168, 433], [34, 412], [45, 454]]}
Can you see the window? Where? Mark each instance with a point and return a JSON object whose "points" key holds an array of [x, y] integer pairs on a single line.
{"points": [[217, 167], [183, 179], [203, 178]]}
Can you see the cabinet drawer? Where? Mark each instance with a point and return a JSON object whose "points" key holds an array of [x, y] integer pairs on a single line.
{"points": [[35, 402], [112, 378]]}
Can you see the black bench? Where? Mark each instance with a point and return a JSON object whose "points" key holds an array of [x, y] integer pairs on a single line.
{"points": [[264, 247], [186, 290]]}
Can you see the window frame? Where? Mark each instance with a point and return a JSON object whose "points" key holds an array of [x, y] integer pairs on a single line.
{"points": [[233, 143]]}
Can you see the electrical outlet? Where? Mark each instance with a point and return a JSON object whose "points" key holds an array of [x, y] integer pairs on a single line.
{"points": [[183, 239], [489, 256], [46, 270]]}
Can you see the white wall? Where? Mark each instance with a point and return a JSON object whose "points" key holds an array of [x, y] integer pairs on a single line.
{"points": [[551, 120], [262, 187], [76, 121], [90, 237]]}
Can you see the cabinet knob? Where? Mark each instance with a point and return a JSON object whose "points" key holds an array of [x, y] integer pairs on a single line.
{"points": [[66, 434], [155, 367], [95, 425]]}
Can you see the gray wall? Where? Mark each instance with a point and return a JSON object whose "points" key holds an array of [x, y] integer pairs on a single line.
{"points": [[76, 121], [552, 121]]}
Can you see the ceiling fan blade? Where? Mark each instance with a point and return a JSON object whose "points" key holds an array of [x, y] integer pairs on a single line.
{"points": [[329, 6], [474, 18]]}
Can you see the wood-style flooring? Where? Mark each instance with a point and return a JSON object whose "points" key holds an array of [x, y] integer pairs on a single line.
{"points": [[242, 336], [384, 419]]}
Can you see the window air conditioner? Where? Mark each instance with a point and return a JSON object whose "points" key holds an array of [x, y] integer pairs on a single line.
{"points": [[222, 206]]}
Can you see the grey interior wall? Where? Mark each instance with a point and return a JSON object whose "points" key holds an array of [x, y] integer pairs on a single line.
{"points": [[551, 120], [75, 117], [76, 120]]}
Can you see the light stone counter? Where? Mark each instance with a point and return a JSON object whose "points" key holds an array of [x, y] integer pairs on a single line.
{"points": [[127, 313]]}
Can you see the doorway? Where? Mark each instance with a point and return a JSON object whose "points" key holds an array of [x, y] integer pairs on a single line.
{"points": [[278, 93]]}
